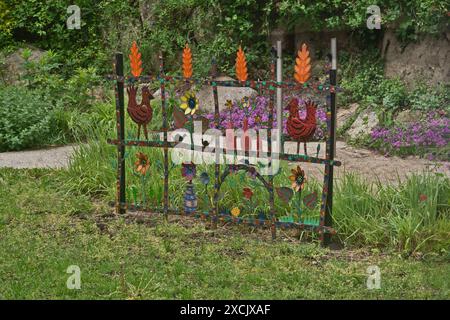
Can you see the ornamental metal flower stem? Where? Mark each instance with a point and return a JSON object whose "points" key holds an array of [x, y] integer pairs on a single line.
{"points": [[207, 199], [299, 206], [143, 198]]}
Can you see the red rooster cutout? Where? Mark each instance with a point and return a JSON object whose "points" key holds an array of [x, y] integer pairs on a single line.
{"points": [[301, 130], [140, 113]]}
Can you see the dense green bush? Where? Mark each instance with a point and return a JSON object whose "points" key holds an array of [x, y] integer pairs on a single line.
{"points": [[74, 92], [26, 119]]}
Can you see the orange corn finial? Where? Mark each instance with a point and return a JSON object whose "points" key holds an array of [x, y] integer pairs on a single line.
{"points": [[135, 60], [302, 65], [187, 62], [241, 65]]}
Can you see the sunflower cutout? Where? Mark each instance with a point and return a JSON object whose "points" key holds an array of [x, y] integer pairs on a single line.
{"points": [[229, 105], [298, 179], [142, 164], [189, 103], [235, 212]]}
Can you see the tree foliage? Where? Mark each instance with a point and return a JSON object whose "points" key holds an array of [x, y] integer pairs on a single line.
{"points": [[213, 28]]}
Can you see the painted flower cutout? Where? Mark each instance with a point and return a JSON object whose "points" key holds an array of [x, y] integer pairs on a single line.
{"points": [[235, 212], [233, 168], [229, 104], [252, 173], [189, 103], [298, 179], [142, 164], [248, 193], [204, 178], [188, 171], [245, 102]]}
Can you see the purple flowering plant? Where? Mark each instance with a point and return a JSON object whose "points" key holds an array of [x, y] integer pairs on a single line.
{"points": [[428, 136], [256, 111]]}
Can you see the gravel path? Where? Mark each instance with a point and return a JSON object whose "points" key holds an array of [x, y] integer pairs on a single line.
{"points": [[368, 163]]}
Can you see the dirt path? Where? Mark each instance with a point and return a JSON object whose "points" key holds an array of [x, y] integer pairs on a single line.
{"points": [[365, 162], [371, 164]]}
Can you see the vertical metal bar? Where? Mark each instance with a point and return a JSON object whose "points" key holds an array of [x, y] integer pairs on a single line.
{"points": [[269, 140], [120, 114], [279, 97], [165, 128], [332, 144], [217, 164]]}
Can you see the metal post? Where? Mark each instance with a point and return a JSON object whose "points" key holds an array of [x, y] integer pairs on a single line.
{"points": [[279, 98], [332, 148], [165, 128], [120, 114], [269, 140], [217, 144]]}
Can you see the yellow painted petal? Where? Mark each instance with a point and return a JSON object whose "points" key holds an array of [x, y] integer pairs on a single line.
{"points": [[183, 106], [184, 98], [188, 110]]}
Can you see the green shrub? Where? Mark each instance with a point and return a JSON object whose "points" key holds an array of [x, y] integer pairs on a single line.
{"points": [[425, 98], [26, 119], [393, 94], [75, 92], [361, 75]]}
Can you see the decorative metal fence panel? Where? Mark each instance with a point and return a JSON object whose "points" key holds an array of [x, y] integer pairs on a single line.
{"points": [[240, 148]]}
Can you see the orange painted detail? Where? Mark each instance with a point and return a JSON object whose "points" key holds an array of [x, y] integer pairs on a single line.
{"points": [[135, 60], [302, 65], [187, 62], [241, 65]]}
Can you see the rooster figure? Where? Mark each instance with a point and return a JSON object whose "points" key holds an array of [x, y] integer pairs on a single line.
{"points": [[140, 113], [301, 130]]}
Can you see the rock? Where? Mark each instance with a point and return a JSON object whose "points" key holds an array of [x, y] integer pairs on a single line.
{"points": [[427, 59], [206, 98], [14, 68], [407, 116], [344, 114], [363, 124]]}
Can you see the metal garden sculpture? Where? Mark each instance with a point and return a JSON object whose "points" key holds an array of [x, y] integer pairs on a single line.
{"points": [[141, 113], [298, 129]]}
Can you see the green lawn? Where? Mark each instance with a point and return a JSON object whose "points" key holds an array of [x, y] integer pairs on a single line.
{"points": [[44, 230]]}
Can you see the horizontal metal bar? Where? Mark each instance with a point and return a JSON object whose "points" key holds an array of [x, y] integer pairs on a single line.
{"points": [[186, 146], [255, 84], [248, 221]]}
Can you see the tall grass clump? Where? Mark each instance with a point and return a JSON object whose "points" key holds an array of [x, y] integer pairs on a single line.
{"points": [[91, 169], [411, 216]]}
